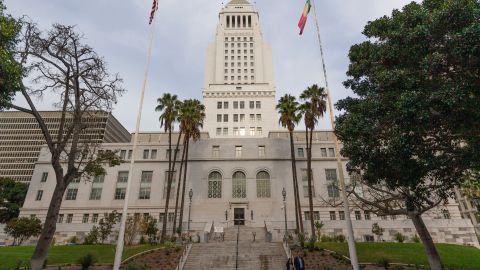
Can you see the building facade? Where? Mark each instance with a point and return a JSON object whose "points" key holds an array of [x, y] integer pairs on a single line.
{"points": [[236, 172], [239, 93], [21, 138]]}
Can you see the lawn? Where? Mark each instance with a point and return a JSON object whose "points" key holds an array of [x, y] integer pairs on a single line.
{"points": [[66, 254], [453, 256]]}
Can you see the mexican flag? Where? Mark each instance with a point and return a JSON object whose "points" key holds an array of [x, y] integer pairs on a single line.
{"points": [[303, 19]]}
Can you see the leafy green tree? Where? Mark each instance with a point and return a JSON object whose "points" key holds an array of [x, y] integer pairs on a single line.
{"points": [[12, 196], [149, 228], [313, 108], [92, 236], [378, 231], [10, 69], [168, 106], [290, 116], [105, 225], [412, 130], [23, 228]]}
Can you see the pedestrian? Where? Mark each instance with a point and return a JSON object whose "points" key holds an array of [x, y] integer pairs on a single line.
{"points": [[299, 263], [289, 264]]}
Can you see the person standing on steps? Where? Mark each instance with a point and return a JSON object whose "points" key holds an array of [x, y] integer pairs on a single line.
{"points": [[289, 264], [299, 262]]}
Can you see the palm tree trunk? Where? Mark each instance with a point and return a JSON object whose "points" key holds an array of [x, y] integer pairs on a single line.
{"points": [[180, 222], [309, 178], [179, 182], [298, 207], [169, 186], [432, 253]]}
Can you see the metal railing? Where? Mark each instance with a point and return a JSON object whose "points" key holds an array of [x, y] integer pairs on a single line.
{"points": [[183, 258]]}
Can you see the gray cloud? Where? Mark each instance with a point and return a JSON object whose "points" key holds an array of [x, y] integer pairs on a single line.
{"points": [[118, 30]]}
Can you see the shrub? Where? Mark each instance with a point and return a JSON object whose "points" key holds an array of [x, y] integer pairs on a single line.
{"points": [[301, 239], [383, 262], [135, 266], [92, 236], [416, 239], [326, 238], [340, 238], [73, 239], [87, 260], [169, 244], [399, 237], [23, 228], [142, 240], [311, 244]]}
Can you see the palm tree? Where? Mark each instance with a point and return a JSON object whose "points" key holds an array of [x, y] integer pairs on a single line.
{"points": [[289, 117], [191, 121], [168, 106], [313, 108]]}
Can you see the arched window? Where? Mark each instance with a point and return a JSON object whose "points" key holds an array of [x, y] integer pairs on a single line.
{"points": [[263, 184], [239, 185], [215, 185]]}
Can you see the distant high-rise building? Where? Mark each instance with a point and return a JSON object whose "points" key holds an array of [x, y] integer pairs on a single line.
{"points": [[21, 138], [239, 93]]}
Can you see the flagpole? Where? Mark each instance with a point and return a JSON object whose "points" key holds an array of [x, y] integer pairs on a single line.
{"points": [[121, 233], [351, 240]]}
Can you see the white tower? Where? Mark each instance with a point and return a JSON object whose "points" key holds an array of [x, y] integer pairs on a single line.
{"points": [[239, 94]]}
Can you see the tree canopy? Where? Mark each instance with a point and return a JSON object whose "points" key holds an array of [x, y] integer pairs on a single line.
{"points": [[12, 196]]}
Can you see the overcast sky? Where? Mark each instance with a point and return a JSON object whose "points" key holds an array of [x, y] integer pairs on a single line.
{"points": [[118, 30]]}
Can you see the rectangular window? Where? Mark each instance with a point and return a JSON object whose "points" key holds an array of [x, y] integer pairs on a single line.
{"points": [[219, 118], [252, 104], [146, 177], [331, 152], [129, 154], [173, 187], [225, 131], [225, 104], [144, 193], [235, 104], [85, 218], [341, 215], [332, 183], [146, 153], [44, 177], [259, 131], [446, 214], [60, 218], [69, 218], [219, 131], [242, 118], [323, 152], [39, 195], [94, 218], [219, 105], [215, 151], [153, 154], [358, 215], [261, 151], [242, 131], [259, 118], [316, 215], [71, 194], [235, 131], [258, 104], [120, 193], [96, 194], [225, 118], [242, 104], [367, 215], [238, 151], [252, 131], [122, 177], [123, 154], [393, 217], [305, 183], [235, 118], [333, 216], [300, 152], [252, 117]]}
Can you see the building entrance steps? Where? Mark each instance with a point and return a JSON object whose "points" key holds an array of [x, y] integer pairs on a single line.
{"points": [[258, 255]]}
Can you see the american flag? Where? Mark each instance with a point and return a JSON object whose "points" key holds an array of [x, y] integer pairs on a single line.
{"points": [[152, 13]]}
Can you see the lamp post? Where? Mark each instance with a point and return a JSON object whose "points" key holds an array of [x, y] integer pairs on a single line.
{"points": [[190, 195], [284, 194]]}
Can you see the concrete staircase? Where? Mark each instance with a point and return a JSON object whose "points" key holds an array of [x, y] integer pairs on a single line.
{"points": [[258, 255]]}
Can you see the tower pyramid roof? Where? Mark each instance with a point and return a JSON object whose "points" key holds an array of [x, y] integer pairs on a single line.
{"points": [[238, 2]]}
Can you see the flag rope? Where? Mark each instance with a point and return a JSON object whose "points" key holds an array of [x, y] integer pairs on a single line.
{"points": [[348, 219], [121, 233]]}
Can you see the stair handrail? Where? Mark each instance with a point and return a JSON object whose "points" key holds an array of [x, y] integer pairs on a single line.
{"points": [[184, 257], [236, 249]]}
